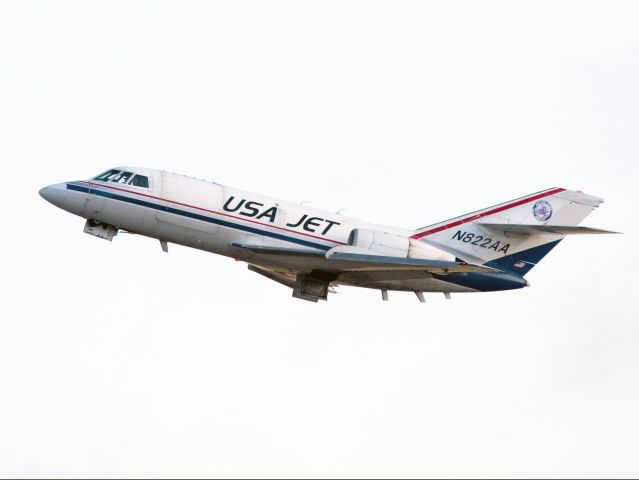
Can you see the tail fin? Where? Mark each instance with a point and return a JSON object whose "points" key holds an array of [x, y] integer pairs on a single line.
{"points": [[513, 236]]}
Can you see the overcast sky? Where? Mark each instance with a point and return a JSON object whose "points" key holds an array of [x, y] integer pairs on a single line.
{"points": [[119, 360]]}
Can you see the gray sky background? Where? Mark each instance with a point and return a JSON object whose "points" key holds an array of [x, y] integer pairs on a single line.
{"points": [[116, 359]]}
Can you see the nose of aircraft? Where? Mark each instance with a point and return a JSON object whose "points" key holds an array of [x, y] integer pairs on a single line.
{"points": [[55, 194]]}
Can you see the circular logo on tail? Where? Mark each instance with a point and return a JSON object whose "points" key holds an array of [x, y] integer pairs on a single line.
{"points": [[542, 210]]}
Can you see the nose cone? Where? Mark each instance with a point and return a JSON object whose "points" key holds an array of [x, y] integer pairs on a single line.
{"points": [[55, 194]]}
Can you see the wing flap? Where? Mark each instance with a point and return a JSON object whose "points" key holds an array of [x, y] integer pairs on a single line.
{"points": [[357, 262]]}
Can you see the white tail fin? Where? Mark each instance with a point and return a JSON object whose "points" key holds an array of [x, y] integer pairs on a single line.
{"points": [[484, 236]]}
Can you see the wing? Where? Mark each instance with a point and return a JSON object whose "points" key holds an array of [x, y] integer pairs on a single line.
{"points": [[292, 267], [309, 260]]}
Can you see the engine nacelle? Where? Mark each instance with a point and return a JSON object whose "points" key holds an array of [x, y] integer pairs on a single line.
{"points": [[394, 245], [424, 251], [382, 243]]}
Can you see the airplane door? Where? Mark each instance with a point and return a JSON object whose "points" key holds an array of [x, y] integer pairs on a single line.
{"points": [[170, 190]]}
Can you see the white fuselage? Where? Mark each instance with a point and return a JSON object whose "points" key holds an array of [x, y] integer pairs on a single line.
{"points": [[303, 247], [309, 249], [213, 217]]}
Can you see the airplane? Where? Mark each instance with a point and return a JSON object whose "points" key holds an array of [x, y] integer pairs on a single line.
{"points": [[313, 251]]}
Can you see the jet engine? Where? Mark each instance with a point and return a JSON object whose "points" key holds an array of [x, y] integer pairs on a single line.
{"points": [[378, 242]]}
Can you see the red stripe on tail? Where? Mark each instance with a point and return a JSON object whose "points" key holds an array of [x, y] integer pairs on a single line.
{"points": [[477, 216]]}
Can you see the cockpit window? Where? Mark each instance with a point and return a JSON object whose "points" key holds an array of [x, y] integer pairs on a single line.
{"points": [[107, 176], [123, 177], [140, 181], [114, 176]]}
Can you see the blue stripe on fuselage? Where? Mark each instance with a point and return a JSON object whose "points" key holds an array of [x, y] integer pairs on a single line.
{"points": [[195, 216]]}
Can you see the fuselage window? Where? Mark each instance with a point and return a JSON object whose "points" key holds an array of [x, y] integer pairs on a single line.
{"points": [[140, 181]]}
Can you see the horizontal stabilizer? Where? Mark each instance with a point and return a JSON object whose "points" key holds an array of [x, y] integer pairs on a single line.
{"points": [[543, 229]]}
